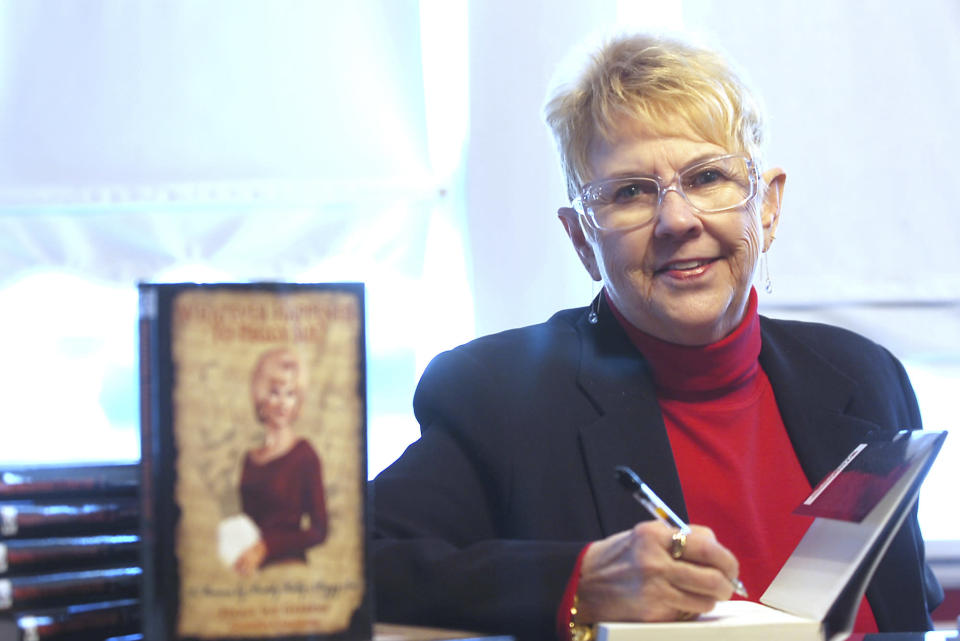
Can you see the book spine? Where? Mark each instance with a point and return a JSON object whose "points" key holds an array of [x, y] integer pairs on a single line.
{"points": [[65, 587], [157, 590], [67, 487], [31, 555], [103, 479], [89, 621], [20, 520]]}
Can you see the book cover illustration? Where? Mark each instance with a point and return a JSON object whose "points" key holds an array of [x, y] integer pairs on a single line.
{"points": [[268, 422]]}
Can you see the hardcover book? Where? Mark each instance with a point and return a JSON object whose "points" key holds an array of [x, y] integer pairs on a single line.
{"points": [[22, 556], [28, 519], [858, 509], [116, 479], [67, 588], [253, 461], [84, 621]]}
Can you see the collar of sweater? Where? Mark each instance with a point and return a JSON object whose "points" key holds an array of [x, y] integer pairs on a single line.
{"points": [[715, 369]]}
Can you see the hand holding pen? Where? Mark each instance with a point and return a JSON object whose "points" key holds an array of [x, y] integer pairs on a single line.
{"points": [[662, 512], [630, 576]]}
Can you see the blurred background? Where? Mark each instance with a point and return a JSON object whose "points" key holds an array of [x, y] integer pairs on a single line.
{"points": [[400, 143]]}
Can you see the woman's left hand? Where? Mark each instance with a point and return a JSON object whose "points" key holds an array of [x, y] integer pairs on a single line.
{"points": [[251, 559]]}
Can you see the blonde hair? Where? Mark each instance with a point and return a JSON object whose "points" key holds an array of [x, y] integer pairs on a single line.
{"points": [[274, 364], [655, 81]]}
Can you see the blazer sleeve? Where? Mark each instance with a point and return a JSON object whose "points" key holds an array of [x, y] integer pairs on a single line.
{"points": [[443, 550]]}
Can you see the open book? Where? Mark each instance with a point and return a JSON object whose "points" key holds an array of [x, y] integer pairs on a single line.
{"points": [[859, 508]]}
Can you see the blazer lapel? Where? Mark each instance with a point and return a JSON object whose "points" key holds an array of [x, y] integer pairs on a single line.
{"points": [[812, 396], [629, 430]]}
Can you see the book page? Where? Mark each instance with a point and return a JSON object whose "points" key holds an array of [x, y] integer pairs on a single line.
{"points": [[729, 620]]}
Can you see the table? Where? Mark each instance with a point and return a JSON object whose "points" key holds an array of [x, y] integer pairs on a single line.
{"points": [[394, 632]]}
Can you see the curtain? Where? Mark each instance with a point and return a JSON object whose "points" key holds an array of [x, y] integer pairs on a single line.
{"points": [[224, 140]]}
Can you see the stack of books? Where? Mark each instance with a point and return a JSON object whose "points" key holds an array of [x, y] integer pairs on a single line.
{"points": [[69, 553]]}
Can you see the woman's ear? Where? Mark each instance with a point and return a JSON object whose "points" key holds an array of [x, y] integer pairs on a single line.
{"points": [[570, 220], [770, 215]]}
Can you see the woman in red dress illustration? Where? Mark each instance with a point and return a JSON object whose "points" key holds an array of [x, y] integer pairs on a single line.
{"points": [[281, 485]]}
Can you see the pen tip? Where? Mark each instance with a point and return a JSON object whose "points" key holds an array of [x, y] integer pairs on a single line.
{"points": [[739, 589]]}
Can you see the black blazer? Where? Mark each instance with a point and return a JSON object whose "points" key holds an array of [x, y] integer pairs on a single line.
{"points": [[479, 523]]}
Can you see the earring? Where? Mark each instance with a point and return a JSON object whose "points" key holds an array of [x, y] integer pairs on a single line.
{"points": [[765, 273], [593, 316]]}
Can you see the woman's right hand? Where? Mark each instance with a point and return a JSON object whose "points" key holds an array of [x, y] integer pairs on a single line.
{"points": [[631, 576]]}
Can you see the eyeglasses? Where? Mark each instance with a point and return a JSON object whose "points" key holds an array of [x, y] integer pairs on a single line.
{"points": [[712, 185]]}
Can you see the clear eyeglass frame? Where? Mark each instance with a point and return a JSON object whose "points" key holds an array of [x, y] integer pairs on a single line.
{"points": [[584, 204]]}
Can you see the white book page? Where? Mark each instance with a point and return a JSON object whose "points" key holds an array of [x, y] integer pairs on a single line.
{"points": [[728, 621]]}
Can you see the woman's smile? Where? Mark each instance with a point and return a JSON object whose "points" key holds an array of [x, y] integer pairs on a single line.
{"points": [[685, 269]]}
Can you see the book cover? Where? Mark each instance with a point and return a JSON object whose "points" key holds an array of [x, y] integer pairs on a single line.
{"points": [[861, 481], [254, 461], [22, 556]]}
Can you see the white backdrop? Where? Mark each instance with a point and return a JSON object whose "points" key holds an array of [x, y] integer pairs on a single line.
{"points": [[222, 140], [400, 143], [861, 99]]}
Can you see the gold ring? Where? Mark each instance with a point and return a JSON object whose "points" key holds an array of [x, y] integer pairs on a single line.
{"points": [[678, 544], [686, 616]]}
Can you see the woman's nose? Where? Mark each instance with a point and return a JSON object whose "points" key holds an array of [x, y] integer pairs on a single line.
{"points": [[675, 216]]}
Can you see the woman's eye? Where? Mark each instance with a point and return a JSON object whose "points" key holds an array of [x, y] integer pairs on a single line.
{"points": [[705, 177], [627, 192]]}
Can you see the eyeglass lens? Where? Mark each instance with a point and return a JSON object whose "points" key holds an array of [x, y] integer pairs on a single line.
{"points": [[713, 185]]}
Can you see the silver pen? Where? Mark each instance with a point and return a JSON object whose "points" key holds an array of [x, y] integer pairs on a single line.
{"points": [[660, 510]]}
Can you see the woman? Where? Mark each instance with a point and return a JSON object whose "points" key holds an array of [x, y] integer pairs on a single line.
{"points": [[506, 513], [281, 485]]}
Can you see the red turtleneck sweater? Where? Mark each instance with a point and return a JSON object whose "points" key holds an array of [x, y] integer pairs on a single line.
{"points": [[739, 473]]}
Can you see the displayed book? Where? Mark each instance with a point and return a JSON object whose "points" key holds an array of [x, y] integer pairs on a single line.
{"points": [[83, 621], [29, 519], [66, 588], [253, 471], [111, 479], [857, 510], [24, 556]]}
